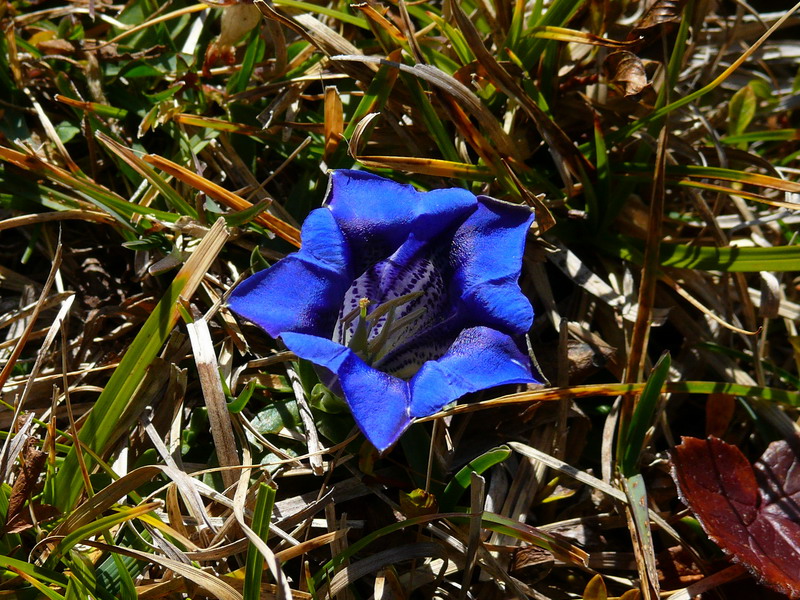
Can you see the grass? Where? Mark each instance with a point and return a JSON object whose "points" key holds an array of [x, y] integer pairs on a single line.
{"points": [[151, 155]]}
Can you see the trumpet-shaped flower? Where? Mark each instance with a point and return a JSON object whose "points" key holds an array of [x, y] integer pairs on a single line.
{"points": [[409, 299]]}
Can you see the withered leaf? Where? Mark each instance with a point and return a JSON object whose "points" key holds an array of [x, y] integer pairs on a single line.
{"points": [[751, 512], [25, 520], [32, 461], [627, 71], [660, 13], [56, 47], [530, 563], [110, 53]]}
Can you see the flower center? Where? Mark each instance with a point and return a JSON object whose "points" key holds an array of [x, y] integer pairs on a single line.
{"points": [[389, 306], [373, 331]]}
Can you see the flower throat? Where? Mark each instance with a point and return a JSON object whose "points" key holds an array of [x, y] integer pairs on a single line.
{"points": [[371, 348]]}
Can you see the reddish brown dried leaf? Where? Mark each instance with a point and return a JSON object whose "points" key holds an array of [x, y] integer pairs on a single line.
{"points": [[18, 516], [25, 520], [751, 512], [32, 462]]}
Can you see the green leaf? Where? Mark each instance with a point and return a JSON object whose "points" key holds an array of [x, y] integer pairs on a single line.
{"points": [[462, 479], [741, 110], [66, 131], [276, 416], [243, 217], [236, 406], [325, 400], [103, 523], [762, 89], [257, 260]]}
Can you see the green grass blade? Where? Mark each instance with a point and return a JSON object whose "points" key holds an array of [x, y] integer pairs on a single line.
{"points": [[778, 259], [787, 377], [253, 54], [46, 591], [461, 481], [324, 10], [676, 58], [522, 531], [769, 135], [456, 38], [38, 573], [374, 98], [433, 121], [633, 434], [557, 14], [104, 523], [173, 198], [636, 493], [75, 590], [659, 114], [731, 260], [260, 525]]}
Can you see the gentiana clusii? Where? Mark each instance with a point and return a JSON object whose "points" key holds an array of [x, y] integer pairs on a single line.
{"points": [[408, 300]]}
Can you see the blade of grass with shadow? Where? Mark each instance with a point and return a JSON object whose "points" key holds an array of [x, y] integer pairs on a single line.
{"points": [[634, 432], [732, 259]]}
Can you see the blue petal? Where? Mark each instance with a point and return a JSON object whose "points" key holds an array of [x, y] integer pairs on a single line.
{"points": [[374, 212], [378, 401], [324, 242], [479, 359], [487, 257], [304, 291]]}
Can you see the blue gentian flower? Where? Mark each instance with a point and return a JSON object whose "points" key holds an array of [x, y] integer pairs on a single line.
{"points": [[408, 299]]}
